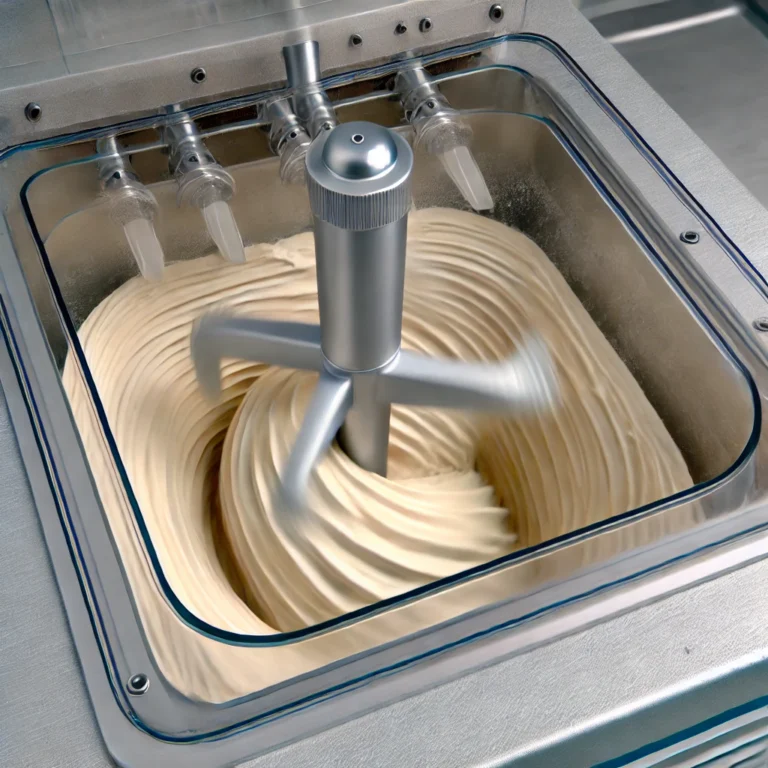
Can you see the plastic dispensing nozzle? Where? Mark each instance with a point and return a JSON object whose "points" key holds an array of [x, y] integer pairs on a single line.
{"points": [[203, 183], [441, 131], [132, 206], [221, 225]]}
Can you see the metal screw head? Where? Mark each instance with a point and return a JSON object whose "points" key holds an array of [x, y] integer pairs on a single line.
{"points": [[138, 684], [355, 41], [401, 29], [496, 12], [33, 111], [690, 237], [761, 324], [425, 25], [198, 75]]}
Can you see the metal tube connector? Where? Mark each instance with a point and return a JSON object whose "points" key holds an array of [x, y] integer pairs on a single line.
{"points": [[438, 126], [440, 130], [287, 139], [132, 206], [203, 183], [310, 102]]}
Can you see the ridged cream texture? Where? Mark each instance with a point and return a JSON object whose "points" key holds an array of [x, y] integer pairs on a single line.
{"points": [[462, 489]]}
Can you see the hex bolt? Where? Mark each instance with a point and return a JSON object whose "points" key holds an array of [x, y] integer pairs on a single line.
{"points": [[355, 40], [425, 25], [198, 75], [761, 324], [33, 111], [689, 237], [496, 12], [401, 29], [138, 684]]}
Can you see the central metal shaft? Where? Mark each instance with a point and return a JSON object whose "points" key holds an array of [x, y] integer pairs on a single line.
{"points": [[359, 180]]}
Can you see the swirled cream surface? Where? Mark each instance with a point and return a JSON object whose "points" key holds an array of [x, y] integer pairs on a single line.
{"points": [[462, 488]]}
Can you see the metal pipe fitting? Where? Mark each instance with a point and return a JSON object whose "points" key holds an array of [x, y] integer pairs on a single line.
{"points": [[132, 206], [310, 102], [441, 131], [438, 126], [302, 63], [130, 198], [203, 183], [287, 139], [199, 177]]}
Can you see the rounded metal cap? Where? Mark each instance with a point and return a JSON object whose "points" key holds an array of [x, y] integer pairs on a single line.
{"points": [[359, 152], [359, 176]]}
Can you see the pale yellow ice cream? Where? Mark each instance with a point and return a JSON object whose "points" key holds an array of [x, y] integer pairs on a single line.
{"points": [[462, 488]]}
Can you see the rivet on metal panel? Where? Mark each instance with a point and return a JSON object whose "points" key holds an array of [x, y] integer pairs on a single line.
{"points": [[496, 13], [198, 75], [690, 237], [425, 25], [138, 684], [401, 29], [355, 41], [761, 324], [33, 112]]}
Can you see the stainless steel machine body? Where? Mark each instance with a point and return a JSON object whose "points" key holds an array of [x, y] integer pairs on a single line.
{"points": [[611, 664]]}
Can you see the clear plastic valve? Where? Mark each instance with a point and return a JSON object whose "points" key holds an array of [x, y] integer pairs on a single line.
{"points": [[209, 188], [223, 229], [145, 247], [447, 136], [461, 166], [134, 207]]}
